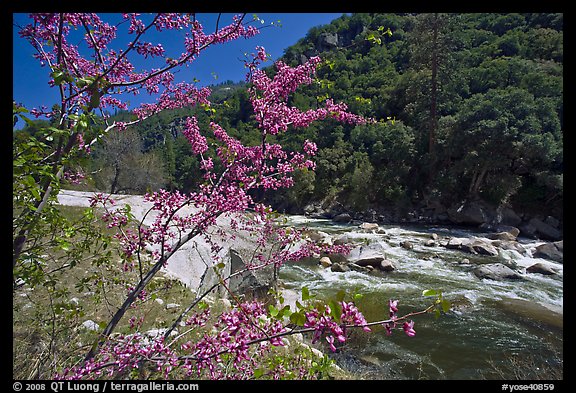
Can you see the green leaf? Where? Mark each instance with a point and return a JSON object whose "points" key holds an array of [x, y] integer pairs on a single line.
{"points": [[445, 305], [286, 311], [305, 294], [35, 193], [58, 77], [340, 295], [298, 318], [430, 292], [335, 310], [272, 310]]}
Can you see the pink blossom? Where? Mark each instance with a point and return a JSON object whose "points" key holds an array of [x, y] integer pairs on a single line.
{"points": [[192, 132], [409, 328]]}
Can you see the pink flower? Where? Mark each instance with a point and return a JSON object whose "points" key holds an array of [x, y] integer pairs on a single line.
{"points": [[393, 304], [409, 328], [330, 340]]}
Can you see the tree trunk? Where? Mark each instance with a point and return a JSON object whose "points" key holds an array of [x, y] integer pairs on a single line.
{"points": [[114, 186]]}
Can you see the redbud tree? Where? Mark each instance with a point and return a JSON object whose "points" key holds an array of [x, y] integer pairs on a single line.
{"points": [[93, 76]]}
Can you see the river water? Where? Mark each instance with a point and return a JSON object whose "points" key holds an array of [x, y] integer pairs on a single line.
{"points": [[510, 329]]}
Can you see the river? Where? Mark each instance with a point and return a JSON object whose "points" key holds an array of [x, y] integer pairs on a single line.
{"points": [[511, 329]]}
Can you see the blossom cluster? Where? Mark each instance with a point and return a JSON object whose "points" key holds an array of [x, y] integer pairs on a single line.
{"points": [[124, 353], [323, 322], [235, 333], [269, 98], [55, 36], [407, 326], [74, 177]]}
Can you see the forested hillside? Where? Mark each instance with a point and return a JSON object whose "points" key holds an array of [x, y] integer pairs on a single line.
{"points": [[469, 108]]}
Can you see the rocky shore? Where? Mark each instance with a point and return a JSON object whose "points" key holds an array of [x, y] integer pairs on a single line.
{"points": [[476, 214]]}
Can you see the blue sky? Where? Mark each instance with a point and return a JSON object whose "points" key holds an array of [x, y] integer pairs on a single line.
{"points": [[215, 65]]}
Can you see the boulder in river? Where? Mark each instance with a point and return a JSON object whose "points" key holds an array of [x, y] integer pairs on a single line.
{"points": [[370, 261], [339, 268], [342, 218], [553, 251], [325, 262], [386, 266], [496, 271], [407, 245], [369, 227], [541, 268], [548, 314], [473, 246], [507, 236]]}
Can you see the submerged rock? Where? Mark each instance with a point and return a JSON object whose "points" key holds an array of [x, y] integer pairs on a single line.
{"points": [[532, 311]]}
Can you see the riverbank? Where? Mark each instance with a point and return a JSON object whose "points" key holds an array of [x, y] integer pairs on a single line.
{"points": [[473, 214], [491, 321]]}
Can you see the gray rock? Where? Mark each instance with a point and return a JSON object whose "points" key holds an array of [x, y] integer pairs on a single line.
{"points": [[358, 268], [369, 226], [502, 236], [552, 221], [509, 217], [386, 266], [339, 268], [509, 245], [320, 237], [552, 251], [545, 231], [372, 261], [342, 218], [484, 248], [542, 269], [91, 325], [325, 262], [407, 245], [157, 333], [255, 282], [343, 239], [560, 245], [328, 40], [430, 243], [496, 271], [473, 246], [470, 213]]}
